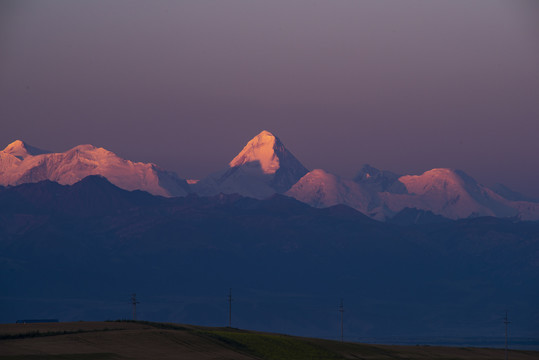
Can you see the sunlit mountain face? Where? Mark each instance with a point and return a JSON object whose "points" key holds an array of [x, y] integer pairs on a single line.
{"points": [[265, 167], [265, 149], [453, 194], [21, 163], [321, 189]]}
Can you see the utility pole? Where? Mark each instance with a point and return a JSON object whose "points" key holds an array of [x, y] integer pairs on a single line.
{"points": [[506, 322], [134, 302], [341, 310], [230, 308]]}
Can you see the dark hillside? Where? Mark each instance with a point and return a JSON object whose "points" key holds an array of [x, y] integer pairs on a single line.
{"points": [[147, 340], [77, 252]]}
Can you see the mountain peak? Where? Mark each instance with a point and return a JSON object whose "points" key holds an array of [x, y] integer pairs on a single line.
{"points": [[262, 149], [18, 164], [445, 175], [264, 167], [437, 179], [265, 133], [17, 144], [22, 150]]}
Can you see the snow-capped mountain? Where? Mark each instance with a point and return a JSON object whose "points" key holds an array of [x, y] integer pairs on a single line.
{"points": [[21, 163], [382, 194], [319, 188], [450, 193], [264, 167], [446, 192], [22, 150]]}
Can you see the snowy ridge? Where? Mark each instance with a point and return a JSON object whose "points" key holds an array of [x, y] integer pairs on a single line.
{"points": [[454, 195], [382, 194], [451, 193], [20, 163], [265, 167]]}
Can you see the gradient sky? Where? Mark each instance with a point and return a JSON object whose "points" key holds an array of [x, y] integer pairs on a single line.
{"points": [[403, 85]]}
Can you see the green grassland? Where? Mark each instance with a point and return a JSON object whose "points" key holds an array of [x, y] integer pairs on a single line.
{"points": [[146, 340]]}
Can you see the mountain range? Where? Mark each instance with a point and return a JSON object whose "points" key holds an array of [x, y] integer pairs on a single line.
{"points": [[77, 251], [265, 167], [21, 163]]}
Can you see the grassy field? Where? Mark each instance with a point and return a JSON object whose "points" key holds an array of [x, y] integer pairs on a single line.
{"points": [[145, 340]]}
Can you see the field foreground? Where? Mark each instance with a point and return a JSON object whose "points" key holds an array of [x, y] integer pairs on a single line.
{"points": [[146, 340]]}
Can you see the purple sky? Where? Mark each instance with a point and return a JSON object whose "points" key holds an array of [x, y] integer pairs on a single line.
{"points": [[402, 85]]}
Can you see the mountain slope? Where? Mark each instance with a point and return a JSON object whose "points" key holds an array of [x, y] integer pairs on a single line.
{"points": [[154, 340], [21, 163], [450, 193], [264, 167], [512, 195], [445, 192], [320, 189], [22, 150], [284, 260]]}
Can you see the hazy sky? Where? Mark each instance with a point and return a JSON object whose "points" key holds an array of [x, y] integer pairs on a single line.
{"points": [[402, 85]]}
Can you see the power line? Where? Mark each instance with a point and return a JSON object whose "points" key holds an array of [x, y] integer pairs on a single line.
{"points": [[506, 322], [230, 308], [134, 302], [341, 310]]}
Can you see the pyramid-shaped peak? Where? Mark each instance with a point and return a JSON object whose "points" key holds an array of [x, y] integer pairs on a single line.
{"points": [[264, 139], [265, 133], [22, 150], [262, 168], [265, 148], [15, 146]]}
